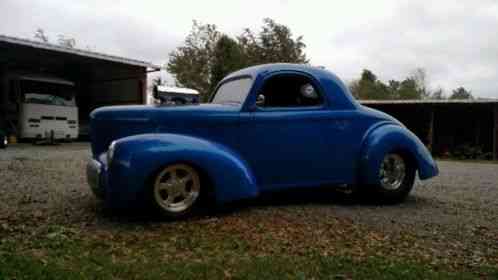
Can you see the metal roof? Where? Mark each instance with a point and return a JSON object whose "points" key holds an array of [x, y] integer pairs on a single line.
{"points": [[75, 51], [46, 78], [430, 101]]}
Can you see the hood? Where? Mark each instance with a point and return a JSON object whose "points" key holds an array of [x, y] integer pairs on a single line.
{"points": [[115, 122], [149, 112]]}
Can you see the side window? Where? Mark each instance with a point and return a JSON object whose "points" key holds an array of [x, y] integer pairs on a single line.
{"points": [[288, 90]]}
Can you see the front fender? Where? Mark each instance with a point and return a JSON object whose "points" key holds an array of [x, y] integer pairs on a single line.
{"points": [[138, 158], [389, 137]]}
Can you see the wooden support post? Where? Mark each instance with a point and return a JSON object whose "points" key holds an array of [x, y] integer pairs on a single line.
{"points": [[430, 137], [477, 132], [495, 120], [3, 96]]}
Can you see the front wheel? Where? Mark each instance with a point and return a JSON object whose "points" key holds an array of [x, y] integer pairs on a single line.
{"points": [[176, 190], [396, 178]]}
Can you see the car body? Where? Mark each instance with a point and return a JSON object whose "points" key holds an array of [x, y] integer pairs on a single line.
{"points": [[267, 128]]}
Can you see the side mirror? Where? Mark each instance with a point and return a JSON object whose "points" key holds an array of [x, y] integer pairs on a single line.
{"points": [[260, 100]]}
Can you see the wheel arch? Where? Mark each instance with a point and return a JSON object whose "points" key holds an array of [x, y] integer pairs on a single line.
{"points": [[139, 158], [389, 137]]}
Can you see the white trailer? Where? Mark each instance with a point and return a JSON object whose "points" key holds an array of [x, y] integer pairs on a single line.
{"points": [[47, 108]]}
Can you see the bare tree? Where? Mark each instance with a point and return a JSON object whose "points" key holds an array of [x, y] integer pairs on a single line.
{"points": [[68, 42], [438, 94], [420, 77], [40, 35], [157, 81]]}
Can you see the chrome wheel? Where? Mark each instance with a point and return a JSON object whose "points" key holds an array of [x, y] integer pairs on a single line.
{"points": [[177, 188], [392, 172]]}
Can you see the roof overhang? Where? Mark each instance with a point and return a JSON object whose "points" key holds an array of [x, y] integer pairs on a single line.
{"points": [[47, 79], [78, 52]]}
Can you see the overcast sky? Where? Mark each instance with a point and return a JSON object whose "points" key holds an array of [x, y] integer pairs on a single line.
{"points": [[455, 41]]}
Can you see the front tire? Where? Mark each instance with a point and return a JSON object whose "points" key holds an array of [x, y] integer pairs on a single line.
{"points": [[396, 177], [176, 190]]}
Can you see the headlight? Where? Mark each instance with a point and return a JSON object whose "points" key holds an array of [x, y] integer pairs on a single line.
{"points": [[110, 152]]}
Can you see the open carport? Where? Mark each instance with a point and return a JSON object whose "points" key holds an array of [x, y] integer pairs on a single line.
{"points": [[445, 126], [99, 79]]}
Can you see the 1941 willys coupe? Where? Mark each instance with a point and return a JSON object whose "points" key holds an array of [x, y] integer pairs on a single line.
{"points": [[266, 128]]}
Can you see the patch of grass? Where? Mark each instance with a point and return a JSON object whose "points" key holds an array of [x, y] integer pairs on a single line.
{"points": [[58, 253], [269, 267], [19, 267], [263, 245]]}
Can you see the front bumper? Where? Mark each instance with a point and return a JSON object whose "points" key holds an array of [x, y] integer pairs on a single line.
{"points": [[116, 186], [93, 176]]}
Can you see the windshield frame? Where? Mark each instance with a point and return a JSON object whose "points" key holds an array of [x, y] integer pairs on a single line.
{"points": [[223, 82], [64, 102]]}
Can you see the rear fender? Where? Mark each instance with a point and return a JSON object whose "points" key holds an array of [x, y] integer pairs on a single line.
{"points": [[390, 137], [138, 158]]}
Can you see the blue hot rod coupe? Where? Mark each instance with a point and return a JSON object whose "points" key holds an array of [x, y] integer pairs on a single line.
{"points": [[266, 128]]}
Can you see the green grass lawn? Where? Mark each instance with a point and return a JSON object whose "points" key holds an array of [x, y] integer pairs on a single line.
{"points": [[200, 250], [97, 266]]}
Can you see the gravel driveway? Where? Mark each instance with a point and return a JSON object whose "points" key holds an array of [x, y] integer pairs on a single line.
{"points": [[46, 184]]}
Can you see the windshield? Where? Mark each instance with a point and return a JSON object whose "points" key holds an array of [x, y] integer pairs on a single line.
{"points": [[47, 93], [234, 91]]}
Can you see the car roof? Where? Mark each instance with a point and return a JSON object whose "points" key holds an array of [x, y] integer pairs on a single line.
{"points": [[332, 83], [253, 71]]}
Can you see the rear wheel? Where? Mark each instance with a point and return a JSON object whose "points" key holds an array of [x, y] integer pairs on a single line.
{"points": [[396, 178], [176, 190]]}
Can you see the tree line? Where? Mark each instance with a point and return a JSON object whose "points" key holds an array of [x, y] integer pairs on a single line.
{"points": [[368, 86], [207, 55]]}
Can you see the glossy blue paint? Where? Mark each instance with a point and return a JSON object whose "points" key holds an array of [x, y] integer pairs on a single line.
{"points": [[386, 137], [245, 149], [138, 158]]}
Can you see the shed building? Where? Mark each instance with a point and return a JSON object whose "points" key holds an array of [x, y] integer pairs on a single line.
{"points": [[447, 126], [99, 79]]}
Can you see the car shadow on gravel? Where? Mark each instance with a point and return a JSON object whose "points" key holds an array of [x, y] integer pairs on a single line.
{"points": [[323, 196], [298, 197]]}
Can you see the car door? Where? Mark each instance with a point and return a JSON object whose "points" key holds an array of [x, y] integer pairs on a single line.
{"points": [[283, 141]]}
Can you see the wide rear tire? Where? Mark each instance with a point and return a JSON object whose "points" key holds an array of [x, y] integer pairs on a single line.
{"points": [[396, 176]]}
